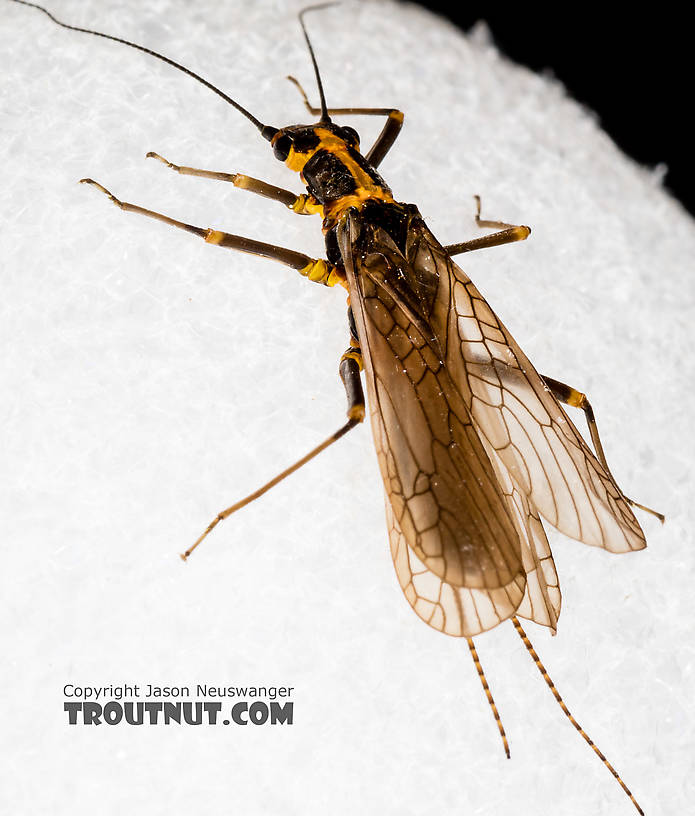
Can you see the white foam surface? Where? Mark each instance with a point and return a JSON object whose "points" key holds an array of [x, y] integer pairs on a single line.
{"points": [[149, 380]]}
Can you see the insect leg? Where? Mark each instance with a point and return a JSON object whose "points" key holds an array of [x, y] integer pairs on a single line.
{"points": [[349, 425], [508, 233], [384, 140], [541, 668], [483, 224], [317, 270], [570, 396], [350, 367], [302, 204], [351, 364], [506, 236]]}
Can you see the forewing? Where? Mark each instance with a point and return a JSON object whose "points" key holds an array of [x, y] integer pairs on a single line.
{"points": [[442, 488], [516, 414], [472, 445], [454, 610], [462, 611]]}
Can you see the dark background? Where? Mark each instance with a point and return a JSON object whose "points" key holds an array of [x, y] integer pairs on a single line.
{"points": [[635, 71]]}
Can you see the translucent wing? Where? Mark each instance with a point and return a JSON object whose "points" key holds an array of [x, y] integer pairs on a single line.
{"points": [[454, 425], [457, 610], [454, 540], [454, 532], [453, 607], [442, 487], [542, 600], [518, 416]]}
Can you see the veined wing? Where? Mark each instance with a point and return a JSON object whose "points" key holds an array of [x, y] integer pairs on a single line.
{"points": [[517, 415], [461, 611], [439, 362], [443, 489], [469, 551]]}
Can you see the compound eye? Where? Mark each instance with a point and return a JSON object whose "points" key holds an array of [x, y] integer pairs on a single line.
{"points": [[351, 136], [281, 147]]}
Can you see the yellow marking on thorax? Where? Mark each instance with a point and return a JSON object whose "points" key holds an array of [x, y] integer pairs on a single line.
{"points": [[335, 209], [296, 161], [366, 190]]}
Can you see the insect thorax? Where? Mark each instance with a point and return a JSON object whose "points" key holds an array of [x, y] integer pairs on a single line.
{"points": [[328, 160], [335, 174], [391, 218]]}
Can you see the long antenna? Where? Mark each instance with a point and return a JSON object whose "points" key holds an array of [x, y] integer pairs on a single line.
{"points": [[324, 110], [267, 131]]}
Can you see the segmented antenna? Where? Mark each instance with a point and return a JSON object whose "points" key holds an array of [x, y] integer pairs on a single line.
{"points": [[267, 131], [324, 110], [541, 668]]}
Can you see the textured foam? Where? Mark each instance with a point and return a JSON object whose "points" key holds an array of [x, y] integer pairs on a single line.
{"points": [[150, 380]]}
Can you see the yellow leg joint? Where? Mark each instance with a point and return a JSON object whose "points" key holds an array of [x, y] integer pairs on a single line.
{"points": [[356, 355], [521, 233], [321, 271], [214, 237], [306, 205], [299, 204], [576, 399], [357, 412]]}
